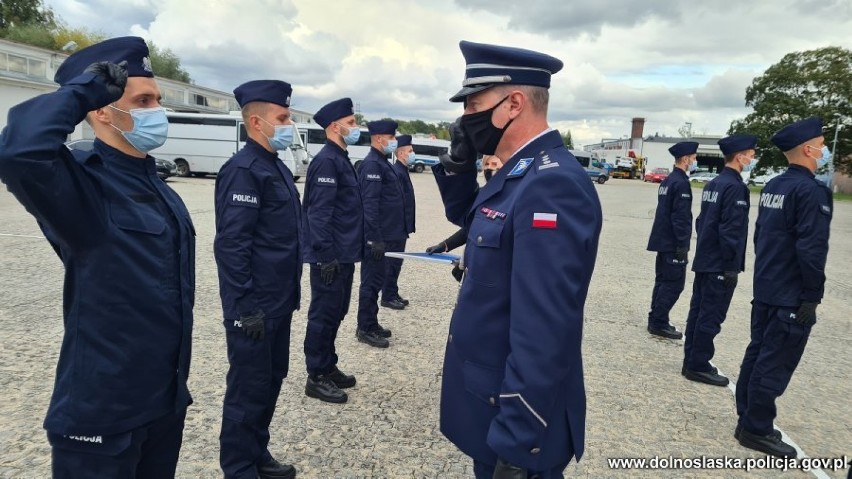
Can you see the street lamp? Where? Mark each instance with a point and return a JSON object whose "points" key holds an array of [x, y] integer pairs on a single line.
{"points": [[838, 122]]}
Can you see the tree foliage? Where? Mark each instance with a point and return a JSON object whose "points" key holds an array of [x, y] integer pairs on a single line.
{"points": [[166, 64], [439, 130], [17, 13], [803, 84], [567, 140]]}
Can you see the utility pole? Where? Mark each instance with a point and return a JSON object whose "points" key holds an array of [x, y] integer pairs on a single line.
{"points": [[833, 151]]}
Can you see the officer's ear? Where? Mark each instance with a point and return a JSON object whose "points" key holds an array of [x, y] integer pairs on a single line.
{"points": [[517, 102], [101, 115]]}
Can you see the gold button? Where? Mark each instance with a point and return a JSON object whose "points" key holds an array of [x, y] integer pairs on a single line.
{"points": [[535, 450]]}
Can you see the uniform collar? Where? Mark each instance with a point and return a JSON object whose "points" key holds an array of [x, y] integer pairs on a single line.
{"points": [[801, 170], [115, 159], [732, 172], [260, 150], [337, 147], [682, 173], [381, 154]]}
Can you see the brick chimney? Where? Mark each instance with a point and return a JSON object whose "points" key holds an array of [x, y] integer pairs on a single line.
{"points": [[638, 128]]}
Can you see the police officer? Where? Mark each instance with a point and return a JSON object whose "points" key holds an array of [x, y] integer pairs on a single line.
{"points": [[393, 266], [791, 246], [512, 396], [258, 218], [334, 241], [722, 228], [670, 237], [384, 227], [128, 247]]}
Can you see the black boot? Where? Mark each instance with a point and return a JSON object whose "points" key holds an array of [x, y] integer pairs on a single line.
{"points": [[323, 388], [275, 470]]}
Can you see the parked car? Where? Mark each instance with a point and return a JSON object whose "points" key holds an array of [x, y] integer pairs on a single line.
{"points": [[702, 176], [165, 168], [657, 175], [761, 180]]}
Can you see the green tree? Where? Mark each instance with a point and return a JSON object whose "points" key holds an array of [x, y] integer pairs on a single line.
{"points": [[166, 64], [81, 36], [566, 138], [810, 83], [17, 13], [31, 34]]}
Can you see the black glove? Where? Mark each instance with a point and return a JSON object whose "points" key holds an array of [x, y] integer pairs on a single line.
{"points": [[457, 272], [253, 325], [377, 250], [681, 254], [806, 315], [504, 470], [113, 77], [462, 157], [438, 248], [328, 271], [730, 281]]}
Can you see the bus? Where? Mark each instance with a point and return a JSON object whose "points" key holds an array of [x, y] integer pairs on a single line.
{"points": [[594, 168], [199, 144], [426, 153], [313, 137]]}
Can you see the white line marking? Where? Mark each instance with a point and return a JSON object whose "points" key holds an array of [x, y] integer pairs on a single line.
{"points": [[21, 236], [819, 473]]}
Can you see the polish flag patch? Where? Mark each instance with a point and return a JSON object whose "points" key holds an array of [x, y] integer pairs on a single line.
{"points": [[544, 220]]}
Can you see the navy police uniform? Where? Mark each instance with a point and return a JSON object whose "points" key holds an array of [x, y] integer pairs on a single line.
{"points": [[513, 375], [791, 246], [128, 247], [384, 222], [722, 228], [390, 290], [672, 230], [257, 250], [333, 230]]}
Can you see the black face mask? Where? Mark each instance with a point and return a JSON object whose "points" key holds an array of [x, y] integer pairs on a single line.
{"points": [[482, 133], [488, 174]]}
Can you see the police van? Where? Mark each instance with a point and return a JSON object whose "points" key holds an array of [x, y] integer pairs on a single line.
{"points": [[593, 167], [426, 153], [313, 137], [199, 144]]}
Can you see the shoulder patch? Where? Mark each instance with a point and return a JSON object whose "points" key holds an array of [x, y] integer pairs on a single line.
{"points": [[326, 180], [243, 198], [742, 203], [373, 177], [825, 209], [520, 168]]}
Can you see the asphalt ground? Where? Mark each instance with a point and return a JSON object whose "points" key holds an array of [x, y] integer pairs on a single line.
{"points": [[639, 406]]}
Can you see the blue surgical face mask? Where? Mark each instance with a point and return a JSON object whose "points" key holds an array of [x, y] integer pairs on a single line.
{"points": [[693, 166], [825, 158], [282, 138], [352, 135], [748, 166], [150, 128], [390, 147]]}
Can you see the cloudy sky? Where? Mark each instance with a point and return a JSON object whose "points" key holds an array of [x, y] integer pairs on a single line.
{"points": [[669, 61]]}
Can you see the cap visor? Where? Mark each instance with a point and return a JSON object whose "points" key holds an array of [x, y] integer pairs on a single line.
{"points": [[467, 91]]}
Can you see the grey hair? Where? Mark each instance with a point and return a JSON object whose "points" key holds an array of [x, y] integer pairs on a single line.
{"points": [[538, 97]]}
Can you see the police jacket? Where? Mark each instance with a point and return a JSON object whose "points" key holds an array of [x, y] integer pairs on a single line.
{"points": [[333, 217], [673, 220], [722, 225], [381, 192], [257, 250], [791, 239], [128, 247], [513, 371], [407, 194]]}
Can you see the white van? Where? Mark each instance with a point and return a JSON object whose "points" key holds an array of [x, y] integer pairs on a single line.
{"points": [[313, 137], [199, 144], [426, 153]]}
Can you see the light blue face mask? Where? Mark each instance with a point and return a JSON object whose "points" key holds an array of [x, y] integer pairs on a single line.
{"points": [[825, 158], [150, 128], [390, 147], [749, 166], [282, 138], [693, 166], [352, 135]]}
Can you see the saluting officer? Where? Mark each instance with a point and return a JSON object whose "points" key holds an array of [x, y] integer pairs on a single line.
{"points": [[722, 228], [513, 396], [334, 242], [791, 246], [128, 247], [404, 158], [384, 228], [258, 219], [670, 237]]}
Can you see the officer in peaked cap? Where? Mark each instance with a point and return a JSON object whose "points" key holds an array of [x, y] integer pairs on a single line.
{"points": [[722, 228], [257, 250], [791, 246], [334, 241], [512, 396], [128, 247], [670, 237], [404, 161], [384, 227]]}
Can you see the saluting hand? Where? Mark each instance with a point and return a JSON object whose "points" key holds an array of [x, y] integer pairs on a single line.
{"points": [[462, 157], [113, 77]]}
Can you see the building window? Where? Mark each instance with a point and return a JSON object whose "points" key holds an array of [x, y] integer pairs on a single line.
{"points": [[199, 99], [17, 64], [173, 95], [3, 62], [217, 103], [38, 68]]}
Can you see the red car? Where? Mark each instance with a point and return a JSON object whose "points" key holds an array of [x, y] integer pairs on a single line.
{"points": [[657, 175]]}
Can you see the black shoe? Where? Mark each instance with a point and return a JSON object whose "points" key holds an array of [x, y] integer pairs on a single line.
{"points": [[323, 388], [393, 304], [713, 369], [668, 331], [402, 300], [384, 332], [709, 377], [775, 432], [373, 338], [341, 379], [770, 444], [275, 470]]}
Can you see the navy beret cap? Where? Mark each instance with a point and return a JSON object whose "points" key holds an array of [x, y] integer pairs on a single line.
{"points": [[736, 143], [133, 50], [403, 140], [797, 133], [269, 91], [382, 127], [683, 148], [334, 111]]}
